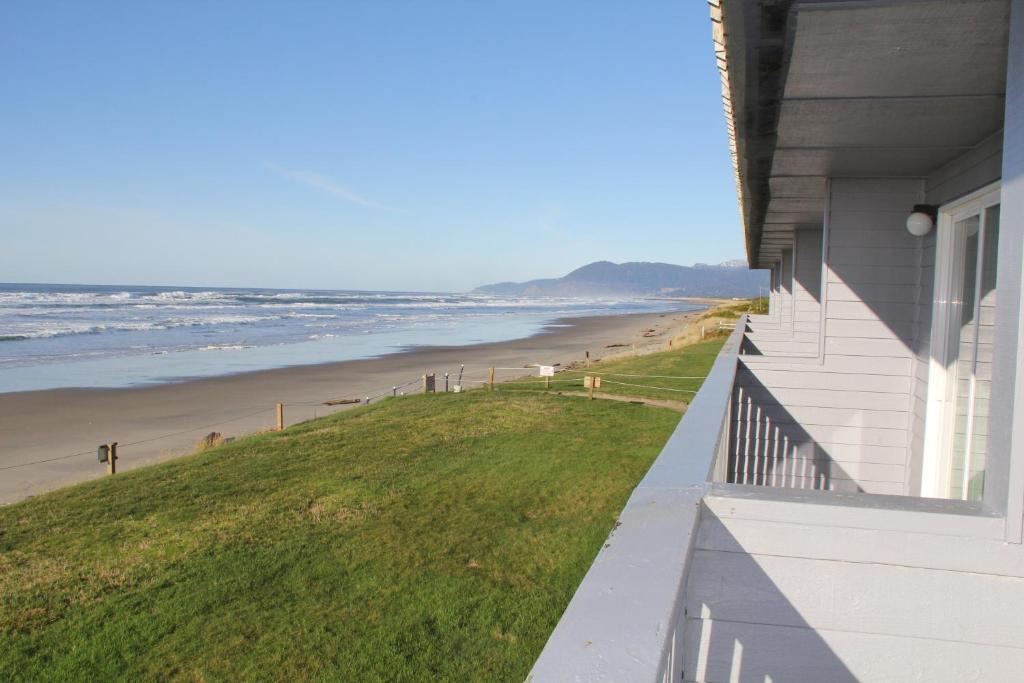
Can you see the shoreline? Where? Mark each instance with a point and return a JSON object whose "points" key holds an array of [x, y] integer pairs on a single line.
{"points": [[158, 422]]}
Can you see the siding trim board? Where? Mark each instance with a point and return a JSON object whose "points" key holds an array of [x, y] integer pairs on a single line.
{"points": [[1004, 489]]}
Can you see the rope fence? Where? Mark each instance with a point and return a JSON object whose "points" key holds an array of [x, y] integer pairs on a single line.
{"points": [[39, 462], [645, 386], [622, 374], [194, 429]]}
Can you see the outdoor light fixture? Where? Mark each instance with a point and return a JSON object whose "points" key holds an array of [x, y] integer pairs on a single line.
{"points": [[921, 221]]}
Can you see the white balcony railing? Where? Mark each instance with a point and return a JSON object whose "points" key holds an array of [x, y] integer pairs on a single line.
{"points": [[625, 621]]}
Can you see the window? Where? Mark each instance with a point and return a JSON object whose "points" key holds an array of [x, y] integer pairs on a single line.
{"points": [[960, 370]]}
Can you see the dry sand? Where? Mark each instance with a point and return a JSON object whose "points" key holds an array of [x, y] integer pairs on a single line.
{"points": [[167, 420]]}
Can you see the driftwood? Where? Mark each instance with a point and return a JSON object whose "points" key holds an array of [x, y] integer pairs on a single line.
{"points": [[342, 401]]}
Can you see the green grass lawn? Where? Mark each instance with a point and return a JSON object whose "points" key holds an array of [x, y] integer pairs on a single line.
{"points": [[658, 370], [426, 538]]}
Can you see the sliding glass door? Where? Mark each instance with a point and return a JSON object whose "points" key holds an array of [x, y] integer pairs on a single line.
{"points": [[960, 377]]}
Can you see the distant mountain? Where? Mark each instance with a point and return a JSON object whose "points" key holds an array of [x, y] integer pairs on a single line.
{"points": [[604, 278]]}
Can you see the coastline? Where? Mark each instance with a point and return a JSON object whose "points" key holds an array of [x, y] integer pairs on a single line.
{"points": [[159, 422]]}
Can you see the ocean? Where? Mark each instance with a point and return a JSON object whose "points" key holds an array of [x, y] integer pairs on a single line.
{"points": [[116, 336]]}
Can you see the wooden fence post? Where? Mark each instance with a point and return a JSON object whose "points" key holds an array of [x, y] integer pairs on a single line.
{"points": [[490, 379], [588, 358], [112, 458], [279, 415]]}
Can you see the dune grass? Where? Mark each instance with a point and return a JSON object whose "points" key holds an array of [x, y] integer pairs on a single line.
{"points": [[653, 375], [426, 538]]}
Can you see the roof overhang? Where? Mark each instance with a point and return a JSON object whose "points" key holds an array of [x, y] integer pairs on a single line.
{"points": [[850, 88]]}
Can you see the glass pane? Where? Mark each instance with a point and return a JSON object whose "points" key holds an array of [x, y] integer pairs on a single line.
{"points": [[972, 381], [963, 344]]}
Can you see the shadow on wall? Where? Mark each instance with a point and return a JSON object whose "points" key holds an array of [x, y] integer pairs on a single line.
{"points": [[769, 447], [793, 328], [741, 627], [748, 347]]}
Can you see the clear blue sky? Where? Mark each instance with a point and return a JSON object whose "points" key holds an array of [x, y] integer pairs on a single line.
{"points": [[366, 145]]}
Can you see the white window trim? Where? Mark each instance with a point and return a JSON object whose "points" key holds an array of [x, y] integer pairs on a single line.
{"points": [[935, 467]]}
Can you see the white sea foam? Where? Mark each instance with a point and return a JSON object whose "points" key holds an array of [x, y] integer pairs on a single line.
{"points": [[226, 347]]}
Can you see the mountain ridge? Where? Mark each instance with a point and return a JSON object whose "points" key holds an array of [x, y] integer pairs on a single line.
{"points": [[641, 278]]}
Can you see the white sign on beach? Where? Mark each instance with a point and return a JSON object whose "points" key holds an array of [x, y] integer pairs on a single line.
{"points": [[547, 370]]}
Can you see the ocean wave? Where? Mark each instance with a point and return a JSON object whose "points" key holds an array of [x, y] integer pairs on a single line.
{"points": [[211, 297], [64, 329], [124, 319], [226, 347]]}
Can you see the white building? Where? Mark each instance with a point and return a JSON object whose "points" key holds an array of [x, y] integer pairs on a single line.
{"points": [[844, 500]]}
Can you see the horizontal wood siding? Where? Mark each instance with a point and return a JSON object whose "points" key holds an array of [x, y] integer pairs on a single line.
{"points": [[844, 422], [965, 174]]}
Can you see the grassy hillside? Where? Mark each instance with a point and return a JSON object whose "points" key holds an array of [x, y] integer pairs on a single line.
{"points": [[426, 538]]}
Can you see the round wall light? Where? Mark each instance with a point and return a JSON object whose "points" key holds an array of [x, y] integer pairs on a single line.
{"points": [[921, 221]]}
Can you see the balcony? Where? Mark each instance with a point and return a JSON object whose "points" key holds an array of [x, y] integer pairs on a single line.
{"points": [[726, 562]]}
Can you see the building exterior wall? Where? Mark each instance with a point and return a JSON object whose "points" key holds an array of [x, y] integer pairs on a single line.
{"points": [[930, 594], [843, 421]]}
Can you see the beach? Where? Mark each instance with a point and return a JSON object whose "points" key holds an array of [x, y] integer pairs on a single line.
{"points": [[158, 422]]}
